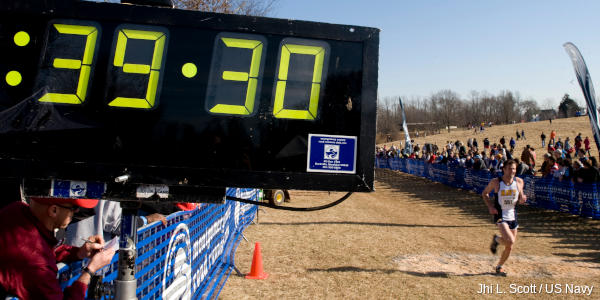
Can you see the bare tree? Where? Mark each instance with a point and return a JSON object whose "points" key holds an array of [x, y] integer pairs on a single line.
{"points": [[528, 109], [447, 105], [445, 108], [386, 124], [508, 106], [240, 7]]}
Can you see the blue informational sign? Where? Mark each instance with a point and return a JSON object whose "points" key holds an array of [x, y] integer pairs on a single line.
{"points": [[77, 189], [331, 154]]}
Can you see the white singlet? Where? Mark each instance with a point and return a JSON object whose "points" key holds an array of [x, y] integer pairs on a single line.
{"points": [[508, 195]]}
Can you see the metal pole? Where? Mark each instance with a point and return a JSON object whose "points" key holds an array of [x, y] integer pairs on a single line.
{"points": [[126, 283]]}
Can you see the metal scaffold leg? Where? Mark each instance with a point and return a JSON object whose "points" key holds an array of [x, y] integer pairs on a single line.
{"points": [[126, 283]]}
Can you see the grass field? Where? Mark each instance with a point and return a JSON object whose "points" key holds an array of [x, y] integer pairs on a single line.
{"points": [[416, 239], [568, 127]]}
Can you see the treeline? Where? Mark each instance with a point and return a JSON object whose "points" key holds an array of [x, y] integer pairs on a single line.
{"points": [[446, 109]]}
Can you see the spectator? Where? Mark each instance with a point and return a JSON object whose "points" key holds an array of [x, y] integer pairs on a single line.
{"points": [[586, 143], [556, 169], [443, 159], [475, 143], [501, 159], [557, 154], [552, 137], [577, 166], [567, 145], [493, 163], [512, 143], [543, 137], [469, 162], [594, 162], [532, 152], [566, 170], [523, 134], [502, 141], [28, 255], [546, 166], [558, 144], [527, 158], [485, 158], [552, 166], [587, 174], [462, 150], [486, 144], [521, 167], [578, 141], [432, 158], [518, 135], [503, 151], [509, 154], [478, 164]]}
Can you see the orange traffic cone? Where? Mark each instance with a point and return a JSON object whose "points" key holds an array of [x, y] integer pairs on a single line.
{"points": [[256, 271]]}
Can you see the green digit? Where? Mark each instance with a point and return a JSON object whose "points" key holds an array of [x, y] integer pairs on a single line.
{"points": [[219, 77], [295, 46], [153, 70], [84, 65]]}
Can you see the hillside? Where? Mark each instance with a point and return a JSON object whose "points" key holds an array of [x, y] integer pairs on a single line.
{"points": [[568, 127]]}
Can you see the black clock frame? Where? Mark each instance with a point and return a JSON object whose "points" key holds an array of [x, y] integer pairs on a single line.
{"points": [[38, 13]]}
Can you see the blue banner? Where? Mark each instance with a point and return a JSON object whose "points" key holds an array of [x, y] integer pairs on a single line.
{"points": [[548, 193], [190, 258]]}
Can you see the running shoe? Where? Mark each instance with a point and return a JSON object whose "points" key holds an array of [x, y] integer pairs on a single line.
{"points": [[500, 271], [494, 244]]}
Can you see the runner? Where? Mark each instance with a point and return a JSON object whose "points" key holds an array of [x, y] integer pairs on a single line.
{"points": [[507, 189]]}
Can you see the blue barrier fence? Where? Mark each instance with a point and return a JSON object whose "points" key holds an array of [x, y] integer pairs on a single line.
{"points": [[190, 258], [549, 193]]}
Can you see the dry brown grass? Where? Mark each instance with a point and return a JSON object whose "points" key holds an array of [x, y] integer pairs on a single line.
{"points": [[414, 239], [568, 127], [411, 239]]}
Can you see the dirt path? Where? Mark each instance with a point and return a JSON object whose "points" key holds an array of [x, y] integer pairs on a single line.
{"points": [[414, 239]]}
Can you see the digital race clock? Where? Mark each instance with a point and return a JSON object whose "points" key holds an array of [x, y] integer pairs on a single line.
{"points": [[94, 91]]}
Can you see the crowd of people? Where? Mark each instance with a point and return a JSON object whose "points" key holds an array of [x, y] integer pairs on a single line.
{"points": [[563, 159]]}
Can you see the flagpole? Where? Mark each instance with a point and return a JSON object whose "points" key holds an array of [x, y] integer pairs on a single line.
{"points": [[585, 81], [407, 143]]}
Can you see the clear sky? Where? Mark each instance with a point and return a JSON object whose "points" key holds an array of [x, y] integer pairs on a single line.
{"points": [[483, 45]]}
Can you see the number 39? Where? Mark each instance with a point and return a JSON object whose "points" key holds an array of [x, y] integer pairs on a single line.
{"points": [[232, 88]]}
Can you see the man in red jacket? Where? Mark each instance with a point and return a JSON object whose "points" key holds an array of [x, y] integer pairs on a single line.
{"points": [[28, 252]]}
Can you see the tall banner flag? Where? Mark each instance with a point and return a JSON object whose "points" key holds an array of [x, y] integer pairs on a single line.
{"points": [[585, 81], [407, 143]]}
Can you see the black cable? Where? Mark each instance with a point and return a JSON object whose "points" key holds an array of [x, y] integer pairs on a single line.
{"points": [[334, 203]]}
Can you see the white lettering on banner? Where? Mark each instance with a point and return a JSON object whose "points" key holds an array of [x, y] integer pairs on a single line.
{"points": [[178, 264], [236, 215], [203, 244]]}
